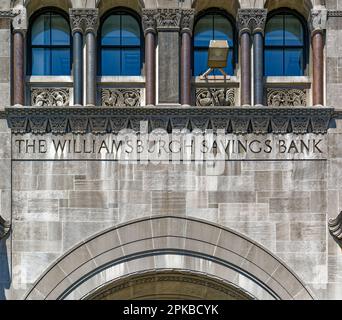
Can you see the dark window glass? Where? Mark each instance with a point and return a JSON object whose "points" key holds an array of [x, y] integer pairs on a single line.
{"points": [[120, 46], [50, 45], [284, 46], [212, 27]]}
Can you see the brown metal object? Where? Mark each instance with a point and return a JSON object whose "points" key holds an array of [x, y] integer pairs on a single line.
{"points": [[186, 69], [318, 73], [150, 54], [18, 69]]}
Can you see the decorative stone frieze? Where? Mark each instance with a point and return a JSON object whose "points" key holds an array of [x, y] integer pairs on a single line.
{"points": [[210, 97], [251, 20], [334, 13], [50, 97], [168, 19], [237, 120], [10, 13], [121, 97], [335, 229], [4, 228], [318, 20], [84, 20], [280, 97]]}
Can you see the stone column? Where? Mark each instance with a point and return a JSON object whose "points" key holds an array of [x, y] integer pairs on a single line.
{"points": [[245, 43], [19, 32], [318, 25], [187, 25], [168, 27], [91, 47], [78, 25], [257, 22], [149, 26]]}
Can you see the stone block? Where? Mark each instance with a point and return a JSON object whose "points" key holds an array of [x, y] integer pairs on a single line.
{"points": [[232, 197], [197, 199], [168, 202], [307, 231], [243, 212], [55, 182], [289, 205], [268, 180], [88, 199]]}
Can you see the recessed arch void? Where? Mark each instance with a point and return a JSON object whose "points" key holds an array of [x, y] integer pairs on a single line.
{"points": [[169, 244]]}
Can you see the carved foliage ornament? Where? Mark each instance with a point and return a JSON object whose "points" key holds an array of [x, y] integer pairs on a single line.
{"points": [[84, 20], [4, 228], [335, 229], [210, 97], [121, 97], [252, 20], [50, 97], [187, 23], [318, 20], [148, 20], [286, 97], [168, 19]]}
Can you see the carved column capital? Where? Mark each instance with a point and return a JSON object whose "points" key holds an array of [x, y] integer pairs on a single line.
{"points": [[318, 20], [84, 20], [187, 21], [251, 20], [19, 22], [149, 21], [168, 19]]}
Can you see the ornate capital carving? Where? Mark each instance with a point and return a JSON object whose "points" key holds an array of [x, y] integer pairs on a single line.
{"points": [[251, 20], [4, 228], [19, 22], [168, 19], [187, 22], [318, 20], [149, 20], [84, 20]]}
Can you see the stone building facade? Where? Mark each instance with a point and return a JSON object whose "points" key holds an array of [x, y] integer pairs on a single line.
{"points": [[80, 221]]}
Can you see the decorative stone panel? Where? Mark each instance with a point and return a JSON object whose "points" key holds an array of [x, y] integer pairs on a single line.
{"points": [[50, 97], [236, 120], [281, 97], [210, 97], [121, 97]]}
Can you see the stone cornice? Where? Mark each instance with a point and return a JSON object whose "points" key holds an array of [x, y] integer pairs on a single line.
{"points": [[237, 120], [251, 20], [84, 20], [318, 20]]}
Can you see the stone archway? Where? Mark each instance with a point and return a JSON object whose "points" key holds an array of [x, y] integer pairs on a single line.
{"points": [[177, 246]]}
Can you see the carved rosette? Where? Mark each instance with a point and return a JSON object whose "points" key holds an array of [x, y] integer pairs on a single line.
{"points": [[318, 20], [280, 97], [121, 97], [84, 20], [210, 97], [251, 20], [50, 97], [149, 20], [187, 22], [168, 19]]}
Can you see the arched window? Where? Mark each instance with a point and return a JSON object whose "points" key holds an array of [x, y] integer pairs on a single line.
{"points": [[120, 45], [50, 45], [285, 49], [212, 26]]}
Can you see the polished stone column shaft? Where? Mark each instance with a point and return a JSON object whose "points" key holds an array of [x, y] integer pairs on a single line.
{"points": [[246, 95], [18, 68], [318, 68], [150, 65], [91, 68], [186, 69], [258, 68], [78, 68]]}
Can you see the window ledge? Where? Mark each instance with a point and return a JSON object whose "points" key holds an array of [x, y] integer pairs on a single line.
{"points": [[121, 79], [288, 80], [49, 79]]}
